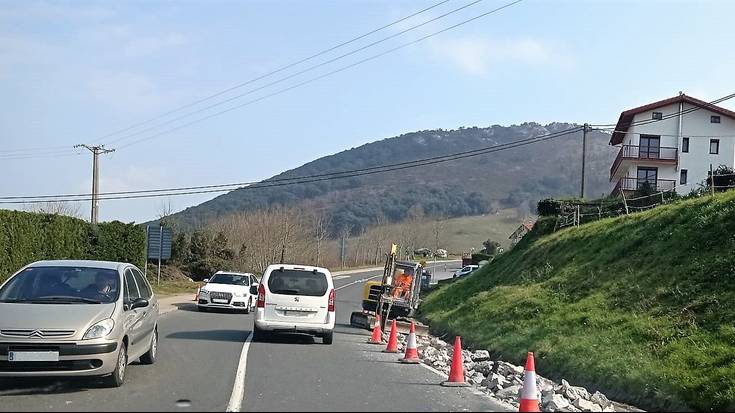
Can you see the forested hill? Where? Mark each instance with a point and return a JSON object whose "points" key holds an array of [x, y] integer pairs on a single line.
{"points": [[514, 178]]}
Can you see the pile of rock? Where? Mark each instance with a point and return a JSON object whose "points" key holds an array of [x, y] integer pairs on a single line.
{"points": [[504, 381]]}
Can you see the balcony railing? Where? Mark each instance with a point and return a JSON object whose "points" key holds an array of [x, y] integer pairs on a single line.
{"points": [[653, 153], [633, 184]]}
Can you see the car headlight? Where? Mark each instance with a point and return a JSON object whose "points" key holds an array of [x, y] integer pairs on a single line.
{"points": [[203, 291], [240, 295], [99, 330]]}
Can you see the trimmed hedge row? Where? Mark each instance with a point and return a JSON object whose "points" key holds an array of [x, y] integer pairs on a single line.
{"points": [[27, 237]]}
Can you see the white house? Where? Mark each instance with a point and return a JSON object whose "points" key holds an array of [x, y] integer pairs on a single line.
{"points": [[671, 145]]}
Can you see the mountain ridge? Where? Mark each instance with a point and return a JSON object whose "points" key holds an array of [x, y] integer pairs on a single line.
{"points": [[514, 178]]}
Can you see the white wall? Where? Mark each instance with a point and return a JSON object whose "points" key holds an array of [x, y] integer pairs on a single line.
{"points": [[695, 125]]}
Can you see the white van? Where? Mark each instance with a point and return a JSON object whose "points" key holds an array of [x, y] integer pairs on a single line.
{"points": [[295, 299]]}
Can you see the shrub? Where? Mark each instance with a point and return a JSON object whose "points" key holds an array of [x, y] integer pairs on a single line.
{"points": [[549, 207], [27, 237]]}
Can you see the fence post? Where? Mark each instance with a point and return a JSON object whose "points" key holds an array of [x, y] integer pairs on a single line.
{"points": [[712, 179], [627, 211]]}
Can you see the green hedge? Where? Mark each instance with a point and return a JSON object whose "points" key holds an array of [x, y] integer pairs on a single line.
{"points": [[27, 237]]}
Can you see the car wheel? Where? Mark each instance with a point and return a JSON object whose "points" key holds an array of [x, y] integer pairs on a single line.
{"points": [[327, 338], [118, 376], [150, 356], [249, 306]]}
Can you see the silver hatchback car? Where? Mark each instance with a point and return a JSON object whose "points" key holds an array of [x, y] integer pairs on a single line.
{"points": [[77, 318]]}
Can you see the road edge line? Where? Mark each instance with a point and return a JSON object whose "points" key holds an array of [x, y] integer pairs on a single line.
{"points": [[238, 389]]}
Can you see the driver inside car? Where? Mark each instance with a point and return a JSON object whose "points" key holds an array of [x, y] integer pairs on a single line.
{"points": [[103, 288]]}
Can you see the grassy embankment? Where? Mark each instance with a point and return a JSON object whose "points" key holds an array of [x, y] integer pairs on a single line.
{"points": [[640, 307]]}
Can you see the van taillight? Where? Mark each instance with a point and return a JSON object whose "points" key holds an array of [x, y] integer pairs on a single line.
{"points": [[261, 296], [330, 306]]}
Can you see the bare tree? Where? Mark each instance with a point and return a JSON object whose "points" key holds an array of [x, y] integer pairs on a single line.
{"points": [[344, 235], [321, 223], [64, 208]]}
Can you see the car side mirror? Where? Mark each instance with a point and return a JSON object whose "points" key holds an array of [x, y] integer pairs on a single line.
{"points": [[139, 303], [254, 289], [206, 280]]}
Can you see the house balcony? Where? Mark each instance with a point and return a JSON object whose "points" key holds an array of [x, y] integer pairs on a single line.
{"points": [[630, 154], [633, 184]]}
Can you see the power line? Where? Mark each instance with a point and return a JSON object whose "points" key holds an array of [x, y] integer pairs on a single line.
{"points": [[293, 75], [278, 70], [314, 79], [612, 130], [293, 180], [247, 82]]}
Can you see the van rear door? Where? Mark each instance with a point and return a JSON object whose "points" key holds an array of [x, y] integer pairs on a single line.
{"points": [[296, 295]]}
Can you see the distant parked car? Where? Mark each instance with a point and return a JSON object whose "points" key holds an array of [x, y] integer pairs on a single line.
{"points": [[77, 318], [467, 269], [441, 253], [229, 290], [424, 252], [295, 299]]}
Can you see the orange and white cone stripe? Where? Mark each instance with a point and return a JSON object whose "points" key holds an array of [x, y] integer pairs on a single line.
{"points": [[412, 351], [529, 394]]}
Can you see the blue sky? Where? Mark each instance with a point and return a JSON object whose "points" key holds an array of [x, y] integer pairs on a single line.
{"points": [[72, 72]]}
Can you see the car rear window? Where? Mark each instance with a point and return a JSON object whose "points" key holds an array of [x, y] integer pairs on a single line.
{"points": [[298, 282]]}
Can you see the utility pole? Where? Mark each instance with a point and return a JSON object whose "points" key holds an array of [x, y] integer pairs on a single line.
{"points": [[96, 151], [584, 155]]}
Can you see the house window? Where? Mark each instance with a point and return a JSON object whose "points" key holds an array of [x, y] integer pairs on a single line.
{"points": [[649, 147], [684, 176], [647, 176], [685, 145], [657, 115], [714, 146], [714, 119]]}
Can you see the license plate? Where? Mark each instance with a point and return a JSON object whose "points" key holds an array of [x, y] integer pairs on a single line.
{"points": [[33, 356], [295, 313], [219, 301]]}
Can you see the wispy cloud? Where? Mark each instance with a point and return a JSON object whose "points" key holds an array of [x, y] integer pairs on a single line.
{"points": [[128, 92], [478, 56], [42, 10], [149, 45]]}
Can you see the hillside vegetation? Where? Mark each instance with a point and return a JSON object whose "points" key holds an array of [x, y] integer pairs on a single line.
{"points": [[479, 185], [640, 307]]}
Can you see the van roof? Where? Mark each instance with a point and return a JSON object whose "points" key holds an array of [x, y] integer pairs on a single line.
{"points": [[275, 267]]}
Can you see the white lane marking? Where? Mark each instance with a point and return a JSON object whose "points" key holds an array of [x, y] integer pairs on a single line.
{"points": [[340, 277], [238, 389], [358, 282]]}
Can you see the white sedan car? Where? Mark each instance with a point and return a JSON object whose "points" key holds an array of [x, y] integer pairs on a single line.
{"points": [[229, 290], [467, 269]]}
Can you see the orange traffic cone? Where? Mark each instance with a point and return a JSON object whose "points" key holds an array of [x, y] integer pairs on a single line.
{"points": [[412, 351], [393, 339], [529, 394], [377, 337], [456, 373]]}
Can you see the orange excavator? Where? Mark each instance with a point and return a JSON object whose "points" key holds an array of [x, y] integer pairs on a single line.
{"points": [[395, 296]]}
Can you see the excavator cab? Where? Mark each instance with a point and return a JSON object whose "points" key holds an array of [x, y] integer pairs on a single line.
{"points": [[395, 296]]}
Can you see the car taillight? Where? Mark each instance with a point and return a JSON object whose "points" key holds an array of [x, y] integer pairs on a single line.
{"points": [[261, 296], [330, 306]]}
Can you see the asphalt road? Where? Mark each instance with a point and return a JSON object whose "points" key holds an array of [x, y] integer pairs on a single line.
{"points": [[198, 362]]}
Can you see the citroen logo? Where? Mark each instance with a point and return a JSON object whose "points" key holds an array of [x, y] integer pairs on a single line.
{"points": [[36, 334]]}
